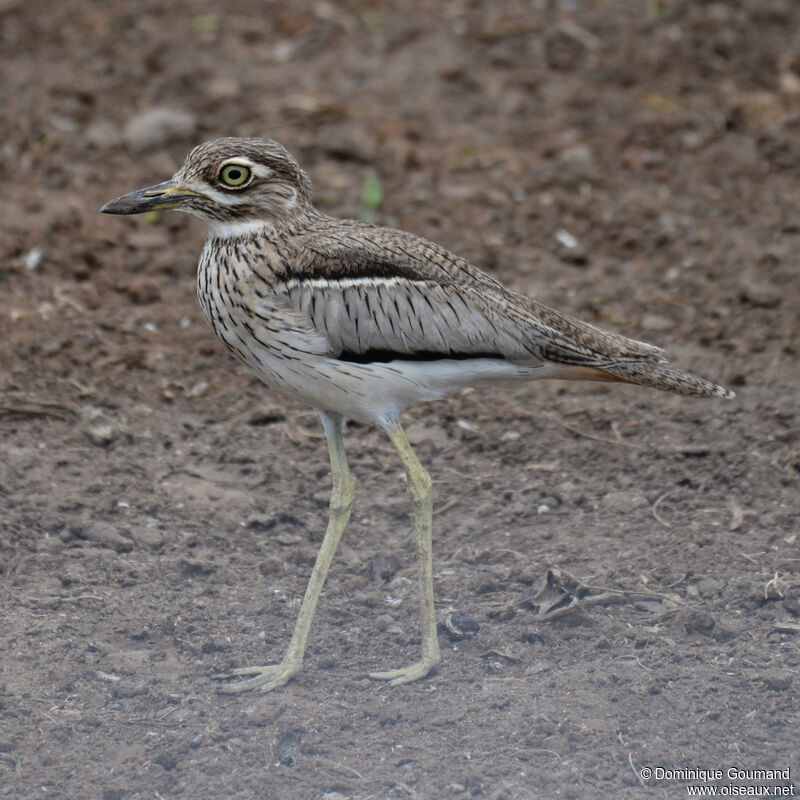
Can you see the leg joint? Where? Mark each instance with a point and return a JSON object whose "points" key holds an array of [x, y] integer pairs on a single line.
{"points": [[420, 485]]}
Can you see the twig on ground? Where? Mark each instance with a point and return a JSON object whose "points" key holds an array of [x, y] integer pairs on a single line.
{"points": [[593, 436], [635, 771], [27, 405], [654, 509]]}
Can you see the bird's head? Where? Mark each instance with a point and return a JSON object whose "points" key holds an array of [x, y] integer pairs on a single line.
{"points": [[227, 182]]}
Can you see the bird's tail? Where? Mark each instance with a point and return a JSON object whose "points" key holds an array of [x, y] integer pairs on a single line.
{"points": [[662, 375]]}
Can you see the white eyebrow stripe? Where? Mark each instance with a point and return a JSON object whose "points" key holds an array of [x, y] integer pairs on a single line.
{"points": [[260, 170], [246, 162]]}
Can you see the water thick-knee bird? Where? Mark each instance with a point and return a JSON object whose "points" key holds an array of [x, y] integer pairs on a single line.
{"points": [[361, 322]]}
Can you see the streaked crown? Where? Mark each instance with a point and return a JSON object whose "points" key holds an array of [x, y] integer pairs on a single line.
{"points": [[233, 179]]}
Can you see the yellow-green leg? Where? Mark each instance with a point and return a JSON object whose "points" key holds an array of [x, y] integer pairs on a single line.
{"points": [[275, 675], [420, 489]]}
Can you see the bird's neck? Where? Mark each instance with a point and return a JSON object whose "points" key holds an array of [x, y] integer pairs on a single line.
{"points": [[234, 229], [268, 226]]}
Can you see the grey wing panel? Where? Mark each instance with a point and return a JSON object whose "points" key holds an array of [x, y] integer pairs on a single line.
{"points": [[403, 317]]}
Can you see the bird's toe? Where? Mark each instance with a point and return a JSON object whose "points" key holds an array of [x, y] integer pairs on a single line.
{"points": [[413, 672], [266, 678]]}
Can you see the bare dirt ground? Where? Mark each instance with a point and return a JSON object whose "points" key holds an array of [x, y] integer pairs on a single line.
{"points": [[634, 164]]}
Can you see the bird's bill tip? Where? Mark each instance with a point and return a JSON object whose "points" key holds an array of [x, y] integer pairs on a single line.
{"points": [[152, 198]]}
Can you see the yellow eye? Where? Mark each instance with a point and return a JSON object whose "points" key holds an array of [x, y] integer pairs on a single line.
{"points": [[235, 175]]}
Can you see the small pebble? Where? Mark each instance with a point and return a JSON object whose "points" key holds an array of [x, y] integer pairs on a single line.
{"points": [[267, 415], [384, 566], [166, 760], [223, 88], [100, 429], [288, 748], [33, 258], [760, 295], [792, 605], [102, 134], [199, 389], [698, 622], [655, 322], [383, 621], [105, 536], [123, 691], [777, 679], [148, 537], [566, 239], [435, 434], [393, 601], [156, 127], [460, 626], [271, 565]]}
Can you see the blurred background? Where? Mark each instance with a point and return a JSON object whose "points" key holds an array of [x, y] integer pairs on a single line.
{"points": [[632, 163]]}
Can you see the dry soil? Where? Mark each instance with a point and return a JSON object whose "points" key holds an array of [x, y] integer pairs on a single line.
{"points": [[632, 163]]}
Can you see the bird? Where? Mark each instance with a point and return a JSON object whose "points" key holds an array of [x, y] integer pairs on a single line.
{"points": [[361, 322]]}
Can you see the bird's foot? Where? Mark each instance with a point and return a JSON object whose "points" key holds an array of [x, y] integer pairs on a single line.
{"points": [[266, 678], [413, 672]]}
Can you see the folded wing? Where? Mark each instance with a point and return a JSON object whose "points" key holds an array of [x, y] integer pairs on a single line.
{"points": [[374, 292]]}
